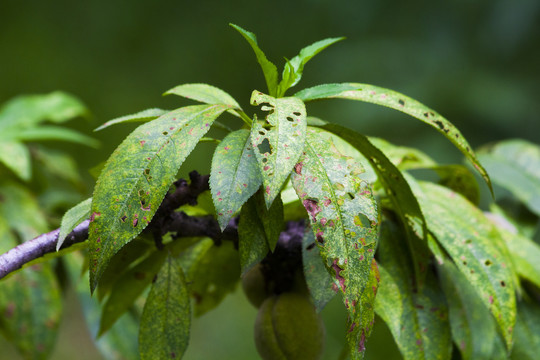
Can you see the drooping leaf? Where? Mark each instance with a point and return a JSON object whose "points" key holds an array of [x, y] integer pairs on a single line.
{"points": [[214, 276], [137, 176], [403, 200], [51, 132], [417, 319], [30, 304], [319, 282], [473, 328], [360, 325], [120, 342], [72, 218], [166, 318], [403, 157], [252, 243], [268, 68], [234, 176], [205, 93], [128, 288], [57, 163], [343, 214], [292, 72], [145, 115], [400, 102], [278, 140], [527, 340], [271, 219], [467, 236], [16, 157], [515, 165]]}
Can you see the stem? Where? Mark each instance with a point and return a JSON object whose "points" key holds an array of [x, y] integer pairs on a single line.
{"points": [[244, 117]]}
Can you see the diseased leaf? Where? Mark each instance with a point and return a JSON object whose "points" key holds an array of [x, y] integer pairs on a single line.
{"points": [[473, 328], [527, 341], [234, 176], [137, 176], [145, 115], [397, 189], [400, 102], [72, 218], [278, 140], [16, 157], [319, 282], [166, 318], [214, 276], [418, 319], [343, 214], [205, 93], [467, 236], [268, 68], [515, 165], [252, 243], [30, 305], [128, 288], [50, 132], [292, 72]]}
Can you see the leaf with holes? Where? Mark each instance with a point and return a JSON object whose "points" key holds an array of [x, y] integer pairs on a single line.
{"points": [[467, 235], [166, 318], [343, 214], [72, 218], [400, 102], [278, 140], [145, 115], [268, 68], [137, 176], [418, 319], [397, 189], [234, 175]]}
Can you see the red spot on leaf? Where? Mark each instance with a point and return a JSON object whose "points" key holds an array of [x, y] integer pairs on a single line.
{"points": [[339, 278], [312, 208], [142, 142], [94, 215], [298, 168]]}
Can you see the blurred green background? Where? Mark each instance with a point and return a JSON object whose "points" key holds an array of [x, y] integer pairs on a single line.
{"points": [[477, 63]]}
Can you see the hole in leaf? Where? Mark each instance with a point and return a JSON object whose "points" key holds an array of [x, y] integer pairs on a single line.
{"points": [[165, 133], [350, 195], [297, 113], [267, 127], [265, 147], [290, 119], [503, 284], [488, 262]]}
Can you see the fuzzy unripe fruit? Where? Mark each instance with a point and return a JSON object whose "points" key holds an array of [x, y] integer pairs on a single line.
{"points": [[254, 286], [289, 328]]}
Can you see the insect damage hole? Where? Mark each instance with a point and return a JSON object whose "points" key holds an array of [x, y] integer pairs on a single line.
{"points": [[265, 147]]}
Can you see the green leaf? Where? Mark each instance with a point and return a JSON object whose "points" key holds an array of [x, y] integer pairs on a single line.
{"points": [[473, 328], [417, 318], [292, 73], [28, 110], [404, 158], [166, 318], [145, 115], [268, 68], [234, 176], [252, 243], [72, 218], [22, 211], [205, 93], [467, 236], [16, 157], [527, 343], [214, 276], [278, 141], [50, 132], [137, 176], [400, 102], [272, 219], [399, 192], [319, 282], [57, 163], [515, 165], [128, 288], [343, 214], [31, 306]]}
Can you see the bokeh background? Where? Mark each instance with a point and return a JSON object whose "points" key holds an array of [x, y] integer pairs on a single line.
{"points": [[475, 62]]}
